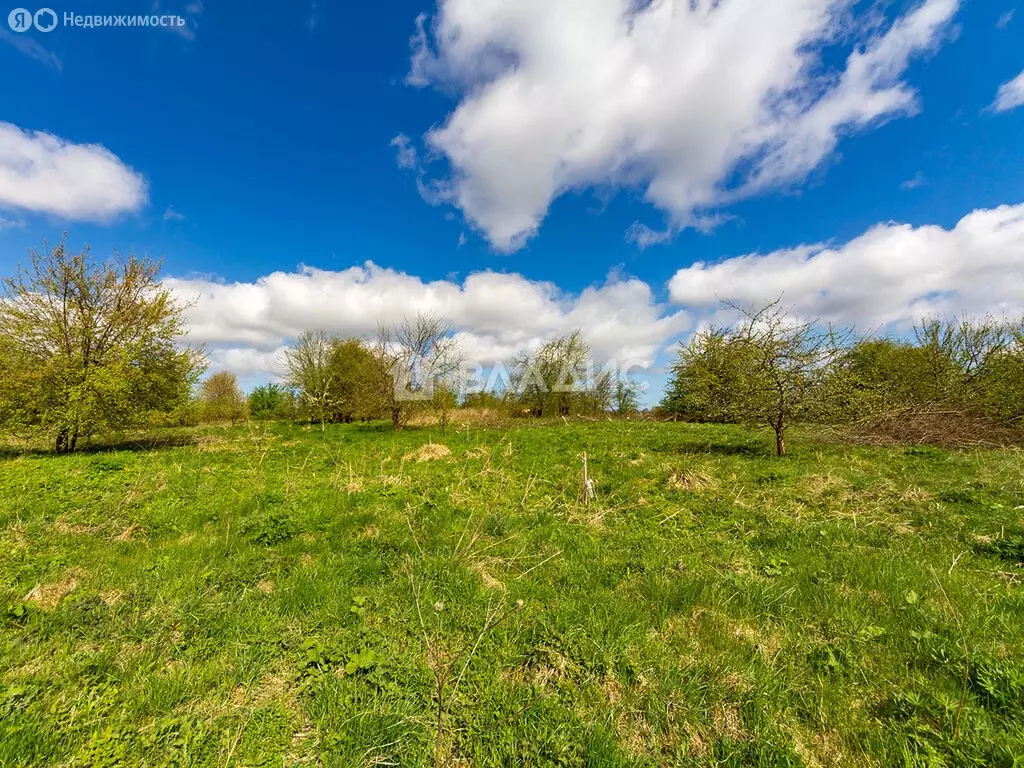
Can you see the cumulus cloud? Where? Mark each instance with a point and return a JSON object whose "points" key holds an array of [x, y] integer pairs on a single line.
{"points": [[891, 275], [1011, 95], [42, 173], [699, 103], [888, 277], [497, 315]]}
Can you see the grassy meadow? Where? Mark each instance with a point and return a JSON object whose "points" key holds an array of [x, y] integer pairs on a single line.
{"points": [[352, 596]]}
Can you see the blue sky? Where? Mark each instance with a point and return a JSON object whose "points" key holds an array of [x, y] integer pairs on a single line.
{"points": [[265, 138]]}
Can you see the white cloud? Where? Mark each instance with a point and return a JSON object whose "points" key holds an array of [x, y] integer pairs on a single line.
{"points": [[247, 363], [1011, 95], [497, 315], [42, 173], [1004, 20], [891, 275], [405, 152], [172, 215], [913, 183], [700, 103]]}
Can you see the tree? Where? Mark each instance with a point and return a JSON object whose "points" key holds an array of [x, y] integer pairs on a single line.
{"points": [[442, 402], [416, 364], [707, 376], [626, 400], [558, 379], [335, 378], [89, 346], [961, 357], [271, 401], [880, 375], [222, 399], [1002, 380], [768, 370], [308, 363], [351, 381], [963, 365]]}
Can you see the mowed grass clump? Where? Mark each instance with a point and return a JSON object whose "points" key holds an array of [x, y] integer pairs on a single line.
{"points": [[354, 596]]}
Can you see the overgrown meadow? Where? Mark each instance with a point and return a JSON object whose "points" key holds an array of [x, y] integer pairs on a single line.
{"points": [[353, 596]]}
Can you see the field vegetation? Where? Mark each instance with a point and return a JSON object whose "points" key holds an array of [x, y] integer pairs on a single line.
{"points": [[810, 554], [352, 595]]}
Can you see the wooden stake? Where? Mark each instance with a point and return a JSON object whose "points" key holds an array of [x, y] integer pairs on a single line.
{"points": [[588, 486]]}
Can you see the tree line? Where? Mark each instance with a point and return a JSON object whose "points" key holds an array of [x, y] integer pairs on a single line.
{"points": [[89, 347], [772, 370], [411, 369]]}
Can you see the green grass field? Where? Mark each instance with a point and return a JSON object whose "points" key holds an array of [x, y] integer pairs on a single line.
{"points": [[286, 595]]}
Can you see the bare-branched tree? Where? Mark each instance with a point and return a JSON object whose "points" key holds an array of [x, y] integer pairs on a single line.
{"points": [[418, 362]]}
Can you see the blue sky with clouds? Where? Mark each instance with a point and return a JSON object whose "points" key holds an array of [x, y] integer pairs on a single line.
{"points": [[528, 167]]}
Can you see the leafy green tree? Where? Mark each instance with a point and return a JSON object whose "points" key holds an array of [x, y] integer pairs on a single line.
{"points": [[626, 400], [222, 399], [336, 379], [559, 379], [89, 346], [442, 402], [271, 401], [308, 363], [966, 360], [965, 365], [351, 369], [707, 377], [1002, 380], [766, 370]]}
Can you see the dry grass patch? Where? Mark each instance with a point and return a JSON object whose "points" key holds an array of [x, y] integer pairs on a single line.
{"points": [[48, 596], [130, 533], [690, 480], [61, 525], [822, 750], [214, 444], [428, 452], [488, 580], [820, 485], [765, 642], [636, 735], [728, 721], [612, 689], [112, 597]]}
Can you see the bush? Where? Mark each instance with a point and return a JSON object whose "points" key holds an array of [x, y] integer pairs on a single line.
{"points": [[272, 401]]}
